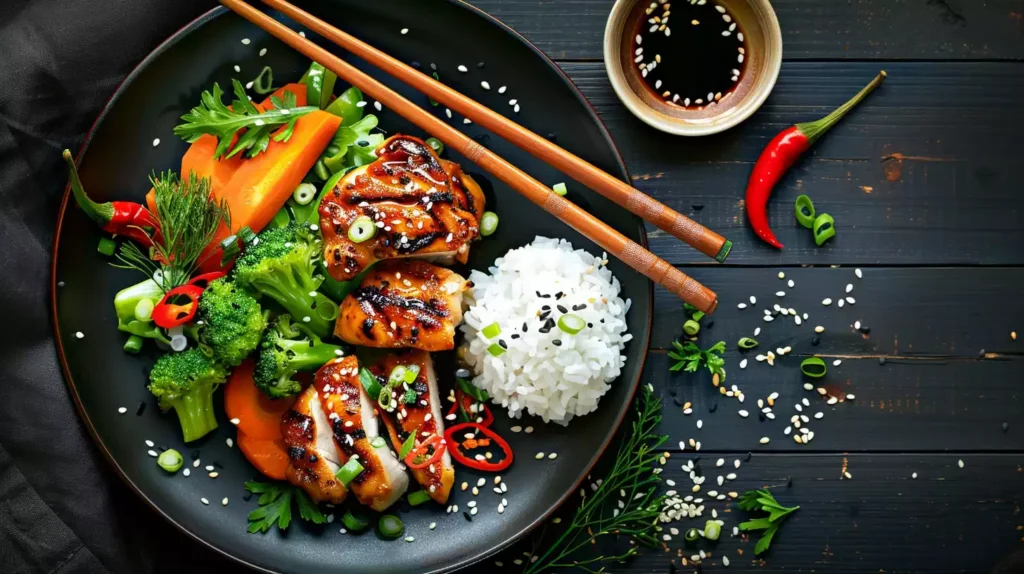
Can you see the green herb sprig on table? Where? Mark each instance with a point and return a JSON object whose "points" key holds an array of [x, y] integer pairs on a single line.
{"points": [[634, 480], [275, 500], [188, 217], [762, 501], [689, 357], [212, 117]]}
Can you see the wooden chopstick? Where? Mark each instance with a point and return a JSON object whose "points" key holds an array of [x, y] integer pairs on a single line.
{"points": [[630, 252], [704, 240]]}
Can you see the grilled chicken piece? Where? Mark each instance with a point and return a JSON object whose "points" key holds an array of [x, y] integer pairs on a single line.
{"points": [[423, 206], [421, 415], [404, 303], [354, 422], [313, 455]]}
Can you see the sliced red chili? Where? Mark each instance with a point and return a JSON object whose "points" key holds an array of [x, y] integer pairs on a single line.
{"points": [[177, 307], [205, 279], [421, 450], [472, 462], [467, 401]]}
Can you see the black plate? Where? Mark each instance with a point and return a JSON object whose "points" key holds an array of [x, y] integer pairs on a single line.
{"points": [[120, 156]]}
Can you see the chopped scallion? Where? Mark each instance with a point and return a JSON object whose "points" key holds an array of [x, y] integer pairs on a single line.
{"points": [[354, 522], [264, 83], [712, 530], [436, 145], [691, 535], [691, 327], [407, 446], [170, 460], [488, 223], [106, 246], [491, 331], [144, 310], [560, 188], [824, 229], [362, 229], [747, 343], [390, 526], [419, 497], [369, 383], [813, 367], [378, 442], [571, 324], [805, 211], [133, 345], [349, 471], [496, 350], [304, 193], [468, 388]]}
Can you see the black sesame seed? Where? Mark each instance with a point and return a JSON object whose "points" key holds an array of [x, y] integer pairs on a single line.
{"points": [[433, 66], [544, 315], [141, 409], [579, 307], [750, 455], [789, 482], [561, 309], [552, 136], [525, 328], [590, 325], [713, 407], [503, 344], [480, 65], [415, 65], [247, 496], [468, 517], [678, 401], [709, 325], [865, 329], [514, 336], [1006, 427], [981, 354], [557, 342], [881, 360], [698, 206], [195, 454], [545, 307], [218, 465], [815, 341]]}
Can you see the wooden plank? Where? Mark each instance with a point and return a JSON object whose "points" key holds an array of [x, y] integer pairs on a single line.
{"points": [[911, 312], [948, 519], [899, 406], [855, 29], [926, 171]]}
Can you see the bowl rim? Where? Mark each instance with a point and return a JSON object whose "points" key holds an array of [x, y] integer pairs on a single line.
{"points": [[616, 75]]}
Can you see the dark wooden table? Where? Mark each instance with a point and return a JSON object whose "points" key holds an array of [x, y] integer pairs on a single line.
{"points": [[926, 184]]}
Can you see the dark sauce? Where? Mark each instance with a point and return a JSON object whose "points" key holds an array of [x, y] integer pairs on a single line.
{"points": [[689, 54]]}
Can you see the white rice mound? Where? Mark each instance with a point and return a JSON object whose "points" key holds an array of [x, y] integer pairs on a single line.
{"points": [[537, 374]]}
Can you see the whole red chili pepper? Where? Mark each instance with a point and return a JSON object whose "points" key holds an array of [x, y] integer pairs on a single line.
{"points": [[781, 153], [118, 217]]}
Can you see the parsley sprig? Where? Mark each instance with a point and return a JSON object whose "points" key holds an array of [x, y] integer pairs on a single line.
{"points": [[690, 357], [212, 117], [762, 501], [633, 481], [275, 500]]}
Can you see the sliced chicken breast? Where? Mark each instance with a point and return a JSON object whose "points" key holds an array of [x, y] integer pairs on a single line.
{"points": [[313, 455], [417, 411], [353, 421], [423, 206], [404, 303]]}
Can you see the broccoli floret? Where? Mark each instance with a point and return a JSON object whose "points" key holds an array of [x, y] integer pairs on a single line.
{"points": [[139, 298], [232, 321], [288, 348], [281, 263], [185, 382]]}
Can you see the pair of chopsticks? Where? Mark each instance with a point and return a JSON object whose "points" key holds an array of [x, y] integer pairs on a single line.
{"points": [[630, 252]]}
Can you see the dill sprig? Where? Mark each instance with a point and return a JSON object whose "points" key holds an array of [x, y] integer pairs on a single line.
{"points": [[212, 117], [634, 479], [188, 217]]}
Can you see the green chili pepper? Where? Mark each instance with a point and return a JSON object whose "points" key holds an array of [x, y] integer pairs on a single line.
{"points": [[319, 85], [813, 367], [824, 228], [805, 211], [170, 460], [747, 343], [691, 327], [106, 246]]}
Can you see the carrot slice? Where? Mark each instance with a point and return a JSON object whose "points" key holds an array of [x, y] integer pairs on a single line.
{"points": [[258, 416], [268, 456]]}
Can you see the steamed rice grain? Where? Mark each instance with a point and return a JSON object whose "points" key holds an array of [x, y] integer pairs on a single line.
{"points": [[552, 374]]}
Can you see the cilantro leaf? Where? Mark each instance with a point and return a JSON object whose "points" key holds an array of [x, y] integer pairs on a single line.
{"points": [[275, 506], [762, 500]]}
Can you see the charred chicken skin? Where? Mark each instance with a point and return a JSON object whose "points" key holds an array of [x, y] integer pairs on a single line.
{"points": [[313, 456], [404, 303], [416, 409], [422, 206], [353, 420]]}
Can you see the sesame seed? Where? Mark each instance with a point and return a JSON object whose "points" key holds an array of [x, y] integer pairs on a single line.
{"points": [[463, 69], [753, 300], [741, 306], [122, 410], [378, 106], [235, 421], [826, 301], [224, 501], [847, 475], [743, 364], [214, 474], [539, 456], [467, 121], [851, 300], [837, 362], [791, 283], [849, 287], [230, 442], [79, 334], [764, 440], [502, 89], [152, 453], [156, 142], [263, 52], [245, 41], [405, 31], [186, 472], [409, 539], [204, 501], [448, 113], [361, 104], [485, 85], [743, 413], [528, 430], [195, 463], [960, 463], [819, 329], [553, 456], [780, 293], [782, 275]]}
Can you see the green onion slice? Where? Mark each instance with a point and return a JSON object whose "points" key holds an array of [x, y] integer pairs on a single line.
{"points": [[436, 145], [479, 395], [133, 345], [403, 374], [354, 522], [496, 350], [491, 331], [390, 526], [805, 211], [691, 535], [349, 471], [824, 228], [264, 83], [386, 400], [560, 188], [747, 343], [170, 460], [712, 530], [813, 367], [691, 327], [378, 442], [488, 223], [407, 445], [369, 383], [106, 246], [571, 324], [144, 310], [419, 497], [304, 193], [362, 229]]}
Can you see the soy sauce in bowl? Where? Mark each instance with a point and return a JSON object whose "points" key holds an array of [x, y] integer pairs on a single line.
{"points": [[688, 54]]}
